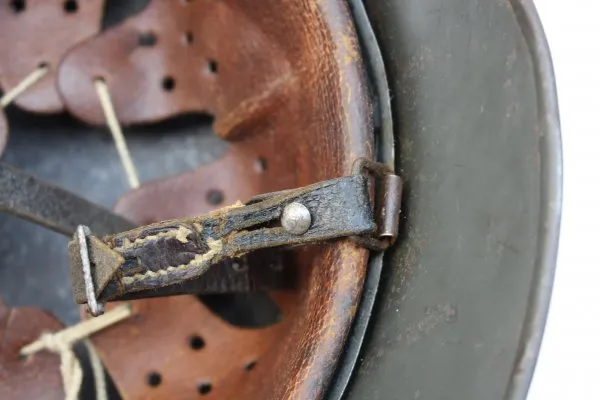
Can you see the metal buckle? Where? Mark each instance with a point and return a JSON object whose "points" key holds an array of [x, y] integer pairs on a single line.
{"points": [[95, 308], [388, 202]]}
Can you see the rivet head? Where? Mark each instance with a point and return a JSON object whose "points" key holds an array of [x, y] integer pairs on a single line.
{"points": [[296, 218]]}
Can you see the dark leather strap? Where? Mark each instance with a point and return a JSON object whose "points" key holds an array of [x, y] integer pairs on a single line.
{"points": [[42, 203], [30, 198], [259, 271], [171, 252]]}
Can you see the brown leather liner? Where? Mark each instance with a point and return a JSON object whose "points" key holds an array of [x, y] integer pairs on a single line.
{"points": [[227, 355], [38, 376], [174, 57], [33, 32], [289, 93]]}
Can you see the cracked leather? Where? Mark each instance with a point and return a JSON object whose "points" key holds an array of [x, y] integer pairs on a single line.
{"points": [[174, 251], [57, 209], [260, 271]]}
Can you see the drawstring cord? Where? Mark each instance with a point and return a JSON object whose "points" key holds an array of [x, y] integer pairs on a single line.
{"points": [[25, 84], [62, 343], [116, 132]]}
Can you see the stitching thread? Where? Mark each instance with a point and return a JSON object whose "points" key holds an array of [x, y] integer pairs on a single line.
{"points": [[180, 234], [215, 247]]}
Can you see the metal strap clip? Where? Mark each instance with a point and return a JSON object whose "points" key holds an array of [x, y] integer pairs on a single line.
{"points": [[95, 308], [388, 200]]}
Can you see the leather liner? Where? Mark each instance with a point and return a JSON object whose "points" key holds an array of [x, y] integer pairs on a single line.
{"points": [[38, 376], [286, 85], [289, 93]]}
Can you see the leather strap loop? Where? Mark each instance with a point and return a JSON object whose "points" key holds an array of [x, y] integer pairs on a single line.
{"points": [[171, 252]]}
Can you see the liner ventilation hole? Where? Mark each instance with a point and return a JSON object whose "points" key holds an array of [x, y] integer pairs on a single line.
{"points": [[154, 379], [18, 6], [196, 342], [204, 388], [168, 83], [213, 67], [70, 6], [250, 366], [147, 39], [215, 197]]}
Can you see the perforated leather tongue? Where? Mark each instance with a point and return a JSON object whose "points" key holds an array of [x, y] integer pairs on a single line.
{"points": [[38, 376], [39, 32], [204, 355], [174, 57]]}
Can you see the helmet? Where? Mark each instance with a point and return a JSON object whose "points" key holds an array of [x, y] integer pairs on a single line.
{"points": [[289, 289]]}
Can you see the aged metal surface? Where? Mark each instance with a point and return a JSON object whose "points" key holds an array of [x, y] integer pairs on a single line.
{"points": [[390, 201], [81, 233], [296, 218], [36, 32], [384, 152], [37, 376], [387, 205], [465, 291]]}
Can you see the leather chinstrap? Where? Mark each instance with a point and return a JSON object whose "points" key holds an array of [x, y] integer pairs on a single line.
{"points": [[172, 252]]}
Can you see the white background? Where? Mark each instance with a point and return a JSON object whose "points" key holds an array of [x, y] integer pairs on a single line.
{"points": [[569, 364]]}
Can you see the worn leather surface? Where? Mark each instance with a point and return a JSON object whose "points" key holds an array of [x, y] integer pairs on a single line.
{"points": [[187, 195], [221, 361], [289, 94], [53, 207], [41, 31], [174, 251], [38, 376], [259, 271], [195, 48]]}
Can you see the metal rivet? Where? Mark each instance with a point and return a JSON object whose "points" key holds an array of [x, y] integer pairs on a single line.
{"points": [[296, 218], [95, 308]]}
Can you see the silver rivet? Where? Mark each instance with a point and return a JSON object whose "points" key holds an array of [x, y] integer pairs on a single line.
{"points": [[296, 218]]}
